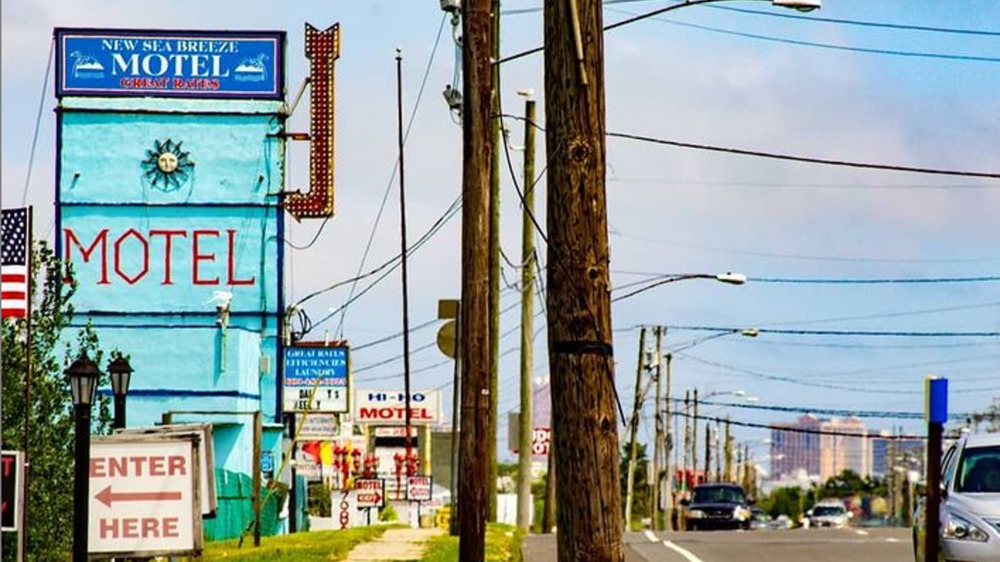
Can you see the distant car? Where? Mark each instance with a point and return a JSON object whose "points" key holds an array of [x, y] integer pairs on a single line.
{"points": [[970, 502], [782, 522], [718, 506], [828, 514], [759, 519]]}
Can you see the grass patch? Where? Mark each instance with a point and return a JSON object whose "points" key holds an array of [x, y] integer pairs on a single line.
{"points": [[503, 544], [300, 547]]}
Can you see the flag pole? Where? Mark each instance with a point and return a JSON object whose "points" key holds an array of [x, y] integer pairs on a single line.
{"points": [[29, 348]]}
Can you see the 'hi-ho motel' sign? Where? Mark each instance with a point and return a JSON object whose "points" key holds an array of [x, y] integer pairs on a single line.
{"points": [[388, 407]]}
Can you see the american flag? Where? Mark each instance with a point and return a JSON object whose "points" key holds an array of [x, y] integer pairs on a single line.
{"points": [[14, 277]]}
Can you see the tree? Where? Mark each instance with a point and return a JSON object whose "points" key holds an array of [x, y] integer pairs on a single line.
{"points": [[640, 493], [50, 439]]}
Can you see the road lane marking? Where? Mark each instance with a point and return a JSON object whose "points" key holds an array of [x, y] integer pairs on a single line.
{"points": [[649, 535], [892, 539], [860, 532], [682, 551]]}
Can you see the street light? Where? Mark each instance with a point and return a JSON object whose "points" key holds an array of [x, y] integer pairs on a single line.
{"points": [[83, 376], [728, 278], [121, 375]]}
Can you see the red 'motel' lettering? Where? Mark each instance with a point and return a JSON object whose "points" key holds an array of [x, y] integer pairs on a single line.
{"points": [[134, 247]]}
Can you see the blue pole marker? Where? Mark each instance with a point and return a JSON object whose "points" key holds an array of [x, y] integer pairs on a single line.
{"points": [[936, 399]]}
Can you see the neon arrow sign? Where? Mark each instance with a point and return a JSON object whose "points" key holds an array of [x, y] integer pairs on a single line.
{"points": [[322, 50]]}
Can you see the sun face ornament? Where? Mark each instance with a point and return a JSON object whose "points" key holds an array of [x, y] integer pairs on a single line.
{"points": [[166, 166]]}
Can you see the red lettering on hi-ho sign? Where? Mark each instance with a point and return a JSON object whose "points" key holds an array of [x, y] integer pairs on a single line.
{"points": [[132, 252]]}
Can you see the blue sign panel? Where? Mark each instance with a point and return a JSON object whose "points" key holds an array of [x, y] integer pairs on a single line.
{"points": [[936, 396], [197, 64], [322, 366]]}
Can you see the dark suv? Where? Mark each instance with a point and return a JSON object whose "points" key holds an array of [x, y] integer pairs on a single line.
{"points": [[718, 506]]}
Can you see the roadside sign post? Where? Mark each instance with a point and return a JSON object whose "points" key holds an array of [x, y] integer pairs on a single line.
{"points": [[936, 409], [145, 496], [419, 488], [371, 494], [13, 469], [315, 378]]}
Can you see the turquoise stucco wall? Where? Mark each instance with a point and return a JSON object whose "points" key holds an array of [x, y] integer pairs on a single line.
{"points": [[226, 230]]}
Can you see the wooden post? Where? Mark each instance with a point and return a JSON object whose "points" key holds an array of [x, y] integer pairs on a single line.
{"points": [[257, 446], [671, 445], [524, 506], [632, 429], [658, 440], [494, 260], [477, 160], [579, 303], [694, 439]]}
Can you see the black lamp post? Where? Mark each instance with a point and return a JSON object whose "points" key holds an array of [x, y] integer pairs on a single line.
{"points": [[83, 376], [121, 374]]}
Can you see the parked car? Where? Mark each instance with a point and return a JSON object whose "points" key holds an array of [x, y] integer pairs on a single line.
{"points": [[718, 506], [829, 514], [970, 502]]}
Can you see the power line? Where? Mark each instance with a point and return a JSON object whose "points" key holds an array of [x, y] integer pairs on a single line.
{"points": [[797, 381], [802, 185], [877, 281], [862, 333], [899, 26], [793, 429], [395, 168], [808, 257], [806, 159], [38, 125], [801, 43], [842, 412]]}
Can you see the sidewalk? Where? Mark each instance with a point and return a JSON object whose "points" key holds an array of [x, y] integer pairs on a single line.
{"points": [[395, 544]]}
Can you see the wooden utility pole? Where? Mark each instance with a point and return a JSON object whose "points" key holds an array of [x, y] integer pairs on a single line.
{"points": [[494, 256], [718, 453], [708, 450], [694, 439], [527, 321], [658, 441], [671, 445], [477, 158], [729, 452], [633, 428], [687, 440], [579, 291], [549, 514]]}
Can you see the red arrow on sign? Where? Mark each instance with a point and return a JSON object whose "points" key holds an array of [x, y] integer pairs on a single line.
{"points": [[107, 497]]}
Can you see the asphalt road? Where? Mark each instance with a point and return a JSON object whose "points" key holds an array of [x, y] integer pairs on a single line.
{"points": [[800, 545]]}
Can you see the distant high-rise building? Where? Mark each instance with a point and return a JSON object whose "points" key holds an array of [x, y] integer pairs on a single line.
{"points": [[808, 444], [795, 448], [844, 451]]}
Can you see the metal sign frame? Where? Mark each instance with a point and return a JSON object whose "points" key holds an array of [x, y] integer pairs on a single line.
{"points": [[63, 88], [357, 492], [198, 534], [18, 503], [206, 443], [430, 488]]}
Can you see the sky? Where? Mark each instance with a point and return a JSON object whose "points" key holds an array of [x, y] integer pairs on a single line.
{"points": [[726, 75]]}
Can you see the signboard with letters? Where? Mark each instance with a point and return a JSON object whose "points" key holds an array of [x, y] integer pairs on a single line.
{"points": [[144, 495], [11, 486], [419, 488], [197, 64], [388, 407], [316, 427], [540, 436], [206, 456], [370, 492], [316, 378]]}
